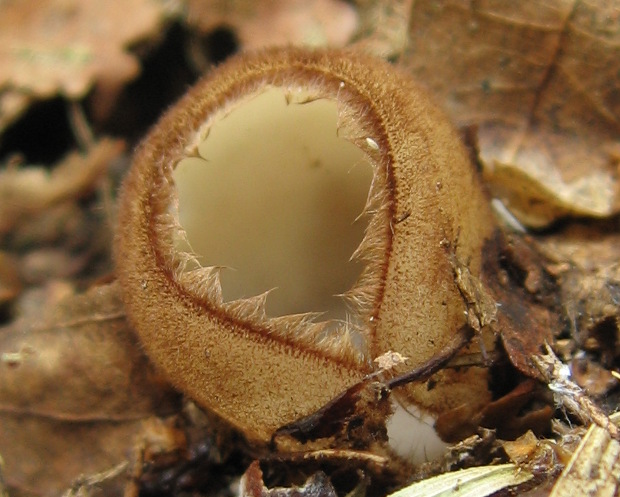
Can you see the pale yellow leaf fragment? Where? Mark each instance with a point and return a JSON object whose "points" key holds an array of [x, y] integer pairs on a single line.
{"points": [[537, 198], [472, 482]]}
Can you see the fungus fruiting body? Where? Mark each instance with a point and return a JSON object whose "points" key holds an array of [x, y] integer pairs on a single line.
{"points": [[242, 209]]}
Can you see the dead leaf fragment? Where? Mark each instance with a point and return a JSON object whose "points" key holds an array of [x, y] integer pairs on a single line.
{"points": [[544, 458], [481, 481], [538, 198], [77, 395], [522, 449], [45, 457], [540, 82], [588, 247], [276, 22], [12, 105], [79, 360], [591, 301], [515, 275], [29, 191], [383, 27], [592, 377], [64, 46]]}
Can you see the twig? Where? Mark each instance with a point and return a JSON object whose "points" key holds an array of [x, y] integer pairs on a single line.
{"points": [[570, 395]]}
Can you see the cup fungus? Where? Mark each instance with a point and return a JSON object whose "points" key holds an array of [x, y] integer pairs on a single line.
{"points": [[282, 166]]}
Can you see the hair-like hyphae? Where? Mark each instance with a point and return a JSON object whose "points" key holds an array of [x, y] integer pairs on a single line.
{"points": [[282, 165]]}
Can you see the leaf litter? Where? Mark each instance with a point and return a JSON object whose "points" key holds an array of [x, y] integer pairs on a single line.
{"points": [[66, 47], [83, 411]]}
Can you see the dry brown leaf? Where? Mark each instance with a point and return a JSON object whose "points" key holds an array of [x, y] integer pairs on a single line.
{"points": [[43, 456], [515, 277], [384, 27], [78, 360], [540, 456], [77, 398], [537, 198], [33, 190], [76, 391], [65, 46], [540, 82], [586, 265], [48, 458], [522, 449], [588, 247], [276, 22], [10, 283], [592, 377], [591, 301]]}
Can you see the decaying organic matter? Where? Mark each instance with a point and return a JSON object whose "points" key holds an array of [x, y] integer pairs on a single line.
{"points": [[534, 87]]}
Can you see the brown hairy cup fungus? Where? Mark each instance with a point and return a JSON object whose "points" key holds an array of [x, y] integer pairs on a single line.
{"points": [[286, 223]]}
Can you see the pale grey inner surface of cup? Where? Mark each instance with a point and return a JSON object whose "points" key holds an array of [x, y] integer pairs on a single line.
{"points": [[274, 193]]}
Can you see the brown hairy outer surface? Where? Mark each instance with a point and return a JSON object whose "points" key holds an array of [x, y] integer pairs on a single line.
{"points": [[261, 373]]}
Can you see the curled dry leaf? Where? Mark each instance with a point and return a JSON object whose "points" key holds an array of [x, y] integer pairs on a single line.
{"points": [[540, 83], [276, 22], [515, 276], [539, 197], [522, 450], [30, 191], [75, 392], [58, 47]]}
